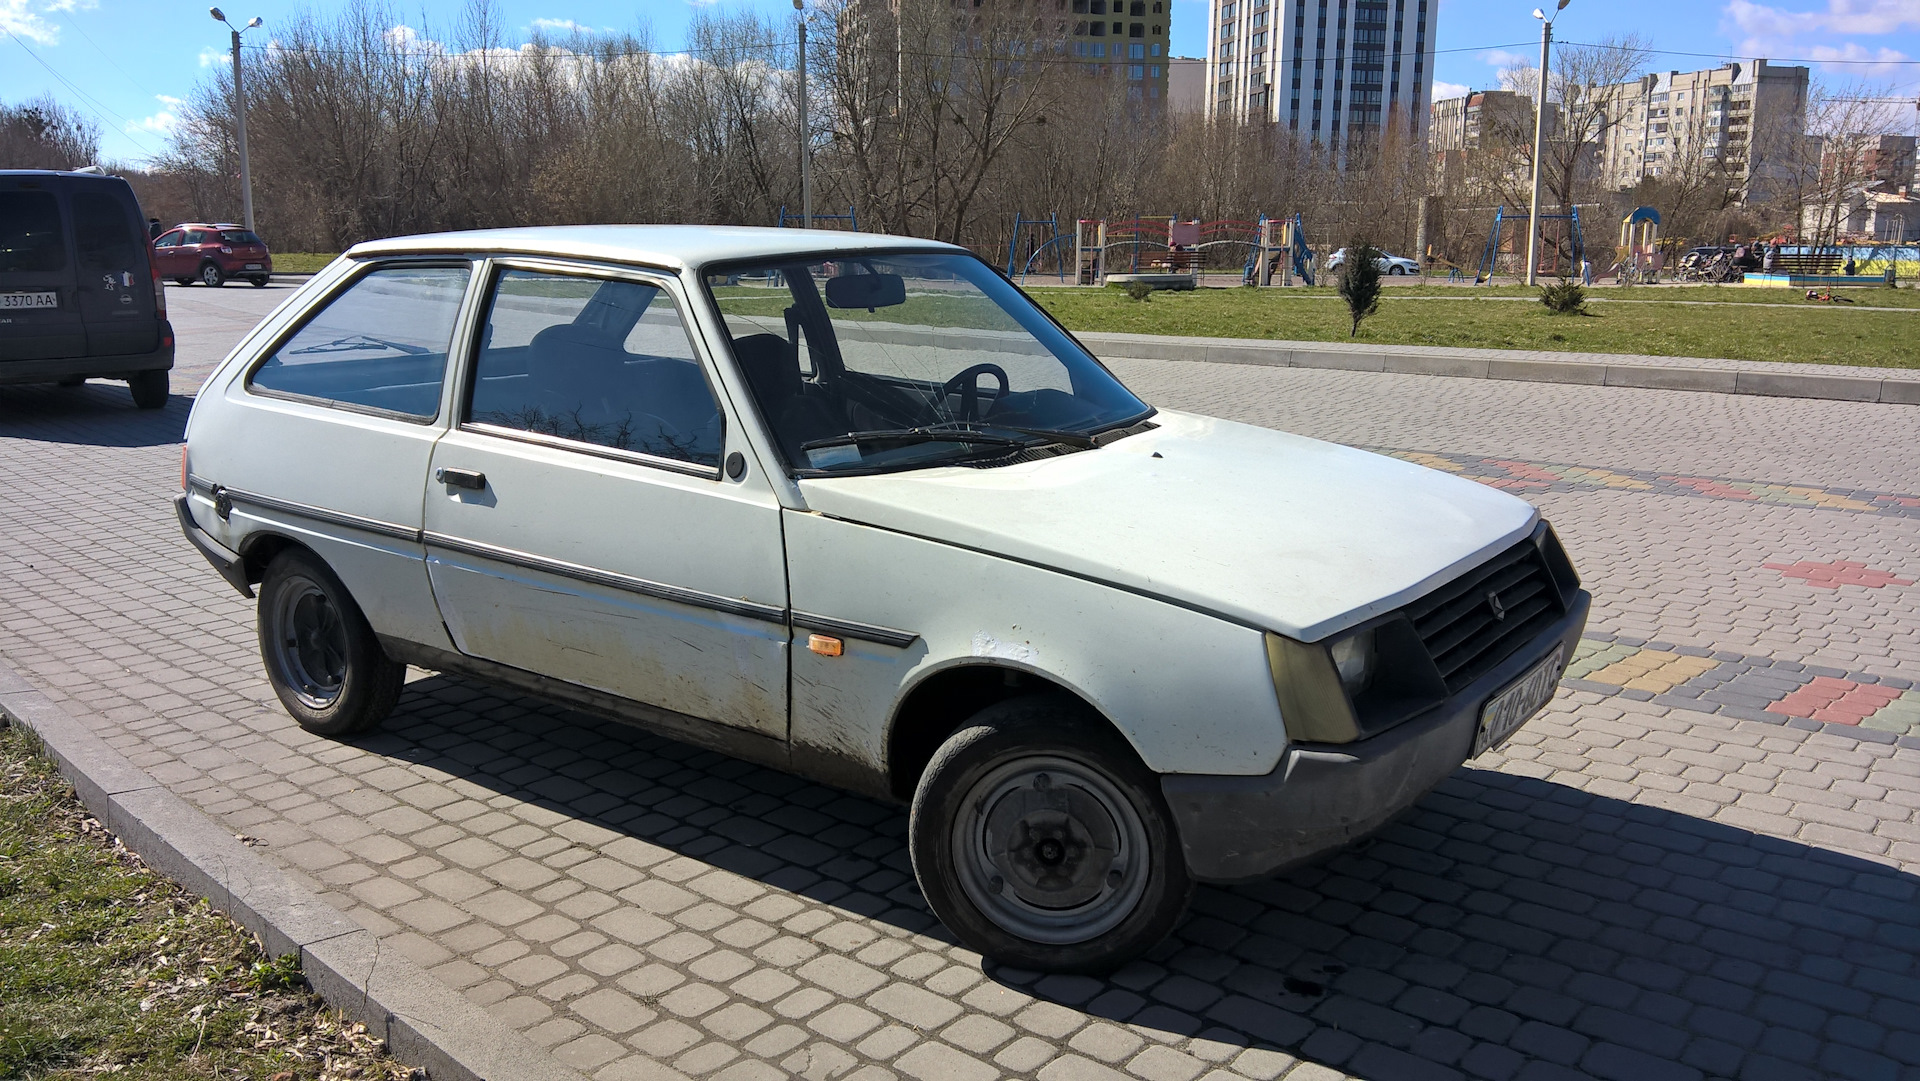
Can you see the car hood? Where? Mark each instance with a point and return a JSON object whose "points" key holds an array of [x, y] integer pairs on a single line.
{"points": [[1273, 530]]}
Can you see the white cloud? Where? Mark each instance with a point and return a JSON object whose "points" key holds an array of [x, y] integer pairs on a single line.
{"points": [[565, 26], [1443, 91], [16, 17], [73, 5], [1501, 59], [211, 56], [162, 122], [1766, 30]]}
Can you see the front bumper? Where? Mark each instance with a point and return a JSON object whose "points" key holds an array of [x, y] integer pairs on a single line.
{"points": [[1322, 797]]}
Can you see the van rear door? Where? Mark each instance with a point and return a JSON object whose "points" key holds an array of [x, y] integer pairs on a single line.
{"points": [[115, 280], [40, 316]]}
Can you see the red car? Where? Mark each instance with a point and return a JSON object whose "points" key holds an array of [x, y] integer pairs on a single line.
{"points": [[212, 253]]}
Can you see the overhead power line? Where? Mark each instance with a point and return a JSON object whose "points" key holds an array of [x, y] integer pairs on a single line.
{"points": [[88, 101], [1732, 56]]}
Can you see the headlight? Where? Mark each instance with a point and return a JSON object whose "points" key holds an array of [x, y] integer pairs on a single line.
{"points": [[1354, 658]]}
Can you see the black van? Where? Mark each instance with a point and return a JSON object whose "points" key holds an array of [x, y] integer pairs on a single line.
{"points": [[79, 294]]}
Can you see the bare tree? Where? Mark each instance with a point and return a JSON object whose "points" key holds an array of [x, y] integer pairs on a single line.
{"points": [[44, 134]]}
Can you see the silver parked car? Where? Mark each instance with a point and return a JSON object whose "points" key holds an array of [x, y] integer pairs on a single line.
{"points": [[855, 507]]}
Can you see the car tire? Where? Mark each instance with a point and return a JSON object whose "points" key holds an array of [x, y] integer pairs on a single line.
{"points": [[184, 281], [1103, 878], [149, 389], [260, 282], [1397, 269], [211, 275], [321, 656], [72, 381]]}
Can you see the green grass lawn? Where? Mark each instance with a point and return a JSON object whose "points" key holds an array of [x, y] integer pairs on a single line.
{"points": [[1799, 331], [107, 968], [301, 262]]}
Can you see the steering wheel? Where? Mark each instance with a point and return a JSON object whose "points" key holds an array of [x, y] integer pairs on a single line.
{"points": [[968, 384]]}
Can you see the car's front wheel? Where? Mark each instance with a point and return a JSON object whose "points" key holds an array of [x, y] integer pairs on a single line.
{"points": [[1042, 841], [322, 658], [211, 275]]}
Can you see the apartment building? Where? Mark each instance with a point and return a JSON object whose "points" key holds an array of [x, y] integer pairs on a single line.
{"points": [[1747, 117], [1342, 73], [1124, 39], [1479, 119]]}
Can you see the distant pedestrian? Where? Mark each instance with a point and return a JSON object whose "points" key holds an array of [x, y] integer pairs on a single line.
{"points": [[1850, 267], [1770, 259]]}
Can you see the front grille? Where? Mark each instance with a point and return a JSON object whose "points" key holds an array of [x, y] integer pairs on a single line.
{"points": [[1459, 624]]}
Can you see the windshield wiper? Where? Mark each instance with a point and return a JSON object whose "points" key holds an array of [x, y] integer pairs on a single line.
{"points": [[913, 435], [1054, 435], [360, 341]]}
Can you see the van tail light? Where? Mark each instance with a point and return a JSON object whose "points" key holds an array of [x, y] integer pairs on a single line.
{"points": [[159, 290]]}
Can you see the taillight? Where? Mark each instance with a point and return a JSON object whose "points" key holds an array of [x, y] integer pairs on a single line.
{"points": [[159, 290], [225, 250], [183, 467]]}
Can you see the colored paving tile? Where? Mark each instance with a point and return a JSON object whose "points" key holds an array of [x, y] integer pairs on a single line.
{"points": [[1840, 572], [1835, 701], [1750, 688], [1900, 716], [1515, 475], [1653, 670]]}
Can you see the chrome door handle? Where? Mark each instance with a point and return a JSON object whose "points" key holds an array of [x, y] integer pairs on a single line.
{"points": [[462, 478]]}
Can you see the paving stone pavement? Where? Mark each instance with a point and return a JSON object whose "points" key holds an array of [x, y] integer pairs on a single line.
{"points": [[1630, 889]]}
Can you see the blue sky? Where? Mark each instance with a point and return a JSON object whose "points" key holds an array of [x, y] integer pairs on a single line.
{"points": [[129, 62]]}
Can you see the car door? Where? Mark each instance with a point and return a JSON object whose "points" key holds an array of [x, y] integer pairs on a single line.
{"points": [[166, 253], [115, 282], [578, 522], [39, 310]]}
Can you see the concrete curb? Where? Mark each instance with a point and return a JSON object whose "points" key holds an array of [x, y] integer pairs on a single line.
{"points": [[1521, 367], [424, 1022]]}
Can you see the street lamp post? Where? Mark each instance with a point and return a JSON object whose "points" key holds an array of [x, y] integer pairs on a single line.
{"points": [[1539, 141], [240, 116], [806, 149]]}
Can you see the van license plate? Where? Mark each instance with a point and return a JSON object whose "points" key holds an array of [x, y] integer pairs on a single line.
{"points": [[1507, 711], [29, 300]]}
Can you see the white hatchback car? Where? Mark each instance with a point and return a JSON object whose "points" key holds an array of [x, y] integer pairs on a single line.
{"points": [[855, 507]]}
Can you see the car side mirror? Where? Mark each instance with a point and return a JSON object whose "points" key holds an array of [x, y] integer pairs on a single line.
{"points": [[867, 291]]}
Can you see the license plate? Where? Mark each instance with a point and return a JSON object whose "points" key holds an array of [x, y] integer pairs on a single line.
{"points": [[253, 266], [1507, 711], [29, 300]]}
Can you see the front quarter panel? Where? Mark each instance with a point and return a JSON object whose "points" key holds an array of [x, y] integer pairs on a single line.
{"points": [[1190, 691]]}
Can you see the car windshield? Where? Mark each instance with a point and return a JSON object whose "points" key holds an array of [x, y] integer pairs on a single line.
{"points": [[883, 361]]}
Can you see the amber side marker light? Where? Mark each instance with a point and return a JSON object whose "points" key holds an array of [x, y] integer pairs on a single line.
{"points": [[183, 467], [825, 645]]}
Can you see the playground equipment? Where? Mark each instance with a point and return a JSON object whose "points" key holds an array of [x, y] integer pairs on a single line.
{"points": [[1504, 241], [1156, 247], [1284, 242], [1639, 255], [1054, 239], [795, 221]]}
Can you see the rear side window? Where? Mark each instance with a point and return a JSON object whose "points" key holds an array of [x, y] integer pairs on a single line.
{"points": [[31, 240], [605, 362], [239, 236], [103, 233], [380, 345]]}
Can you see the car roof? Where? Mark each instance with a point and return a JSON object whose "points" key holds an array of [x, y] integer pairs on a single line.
{"points": [[677, 247], [207, 225]]}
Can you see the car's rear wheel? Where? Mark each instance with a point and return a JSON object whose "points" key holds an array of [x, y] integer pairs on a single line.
{"points": [[1042, 841], [322, 658], [183, 281], [211, 275], [149, 389], [260, 281]]}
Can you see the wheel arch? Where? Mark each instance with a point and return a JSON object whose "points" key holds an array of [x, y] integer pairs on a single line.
{"points": [[942, 700], [260, 547]]}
